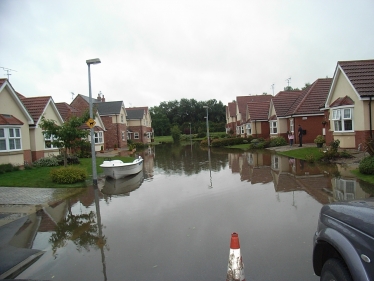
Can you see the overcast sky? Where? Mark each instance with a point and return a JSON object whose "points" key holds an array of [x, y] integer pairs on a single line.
{"points": [[154, 51]]}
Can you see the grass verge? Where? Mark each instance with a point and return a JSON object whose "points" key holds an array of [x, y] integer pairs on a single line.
{"points": [[40, 177], [303, 153]]}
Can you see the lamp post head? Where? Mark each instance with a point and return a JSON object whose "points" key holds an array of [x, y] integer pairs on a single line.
{"points": [[93, 61], [205, 106]]}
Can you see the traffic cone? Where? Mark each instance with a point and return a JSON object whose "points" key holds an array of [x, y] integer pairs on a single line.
{"points": [[235, 267]]}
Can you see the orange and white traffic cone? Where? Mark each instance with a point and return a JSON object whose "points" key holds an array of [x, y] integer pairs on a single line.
{"points": [[235, 268]]}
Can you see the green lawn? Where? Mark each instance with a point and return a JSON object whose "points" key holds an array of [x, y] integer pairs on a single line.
{"points": [[40, 177], [303, 153]]}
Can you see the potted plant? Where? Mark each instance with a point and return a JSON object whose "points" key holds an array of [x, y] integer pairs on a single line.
{"points": [[319, 140], [102, 149], [115, 146]]}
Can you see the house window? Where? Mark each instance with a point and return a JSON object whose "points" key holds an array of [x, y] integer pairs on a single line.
{"points": [[237, 130], [249, 129], [128, 135], [136, 136], [273, 127], [242, 130], [123, 136], [291, 126], [48, 141], [149, 135], [10, 139], [99, 137], [342, 119], [121, 118]]}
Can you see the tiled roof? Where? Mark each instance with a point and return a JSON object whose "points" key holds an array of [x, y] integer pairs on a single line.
{"points": [[243, 100], [258, 110], [2, 81], [134, 113], [35, 106], [6, 119], [342, 101], [361, 75], [312, 97], [109, 107], [67, 110], [231, 109], [87, 99], [283, 101]]}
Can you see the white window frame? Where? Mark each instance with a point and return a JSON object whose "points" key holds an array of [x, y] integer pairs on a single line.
{"points": [[136, 136], [249, 128], [99, 137], [12, 138], [123, 135], [242, 130], [121, 118], [149, 134], [273, 127], [341, 118], [237, 130], [50, 139], [292, 127]]}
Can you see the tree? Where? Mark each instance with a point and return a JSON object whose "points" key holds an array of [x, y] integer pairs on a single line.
{"points": [[175, 134], [67, 136]]}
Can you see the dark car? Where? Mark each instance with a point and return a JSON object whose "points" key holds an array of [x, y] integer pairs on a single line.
{"points": [[344, 242]]}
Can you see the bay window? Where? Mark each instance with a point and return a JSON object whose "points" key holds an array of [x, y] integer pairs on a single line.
{"points": [[10, 139], [342, 119], [249, 129], [273, 127], [99, 137]]}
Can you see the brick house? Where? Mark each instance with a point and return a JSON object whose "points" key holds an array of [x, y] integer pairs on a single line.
{"points": [[113, 115], [349, 109], [292, 108], [139, 124], [15, 146], [39, 107], [66, 111], [231, 117], [242, 113]]}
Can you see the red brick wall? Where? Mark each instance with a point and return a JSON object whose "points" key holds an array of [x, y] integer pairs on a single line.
{"points": [[362, 137], [37, 155], [27, 156], [313, 126], [141, 130], [113, 134], [79, 103]]}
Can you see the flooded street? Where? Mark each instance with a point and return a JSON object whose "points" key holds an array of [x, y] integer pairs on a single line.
{"points": [[174, 220]]}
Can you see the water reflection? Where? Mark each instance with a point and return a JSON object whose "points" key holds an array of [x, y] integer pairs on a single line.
{"points": [[122, 186], [171, 222]]}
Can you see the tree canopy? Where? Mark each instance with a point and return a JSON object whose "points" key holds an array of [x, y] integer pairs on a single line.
{"points": [[188, 112], [67, 136]]}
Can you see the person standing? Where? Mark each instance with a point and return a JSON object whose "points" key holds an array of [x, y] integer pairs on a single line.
{"points": [[300, 133], [290, 138]]}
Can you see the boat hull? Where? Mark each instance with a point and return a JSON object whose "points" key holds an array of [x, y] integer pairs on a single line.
{"points": [[116, 169]]}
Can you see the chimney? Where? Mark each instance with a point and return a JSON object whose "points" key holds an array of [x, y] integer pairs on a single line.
{"points": [[103, 99], [99, 96]]}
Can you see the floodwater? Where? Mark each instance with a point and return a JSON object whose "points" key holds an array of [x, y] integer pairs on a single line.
{"points": [[174, 220]]}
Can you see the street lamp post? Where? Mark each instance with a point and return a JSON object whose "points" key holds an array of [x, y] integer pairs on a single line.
{"points": [[207, 124], [94, 172], [190, 131]]}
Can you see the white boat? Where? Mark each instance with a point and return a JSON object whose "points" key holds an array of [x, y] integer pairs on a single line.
{"points": [[117, 169]]}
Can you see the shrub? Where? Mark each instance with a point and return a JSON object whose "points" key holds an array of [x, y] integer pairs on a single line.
{"points": [[366, 166], [68, 175], [71, 159], [46, 162], [5, 168], [277, 141], [319, 139]]}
